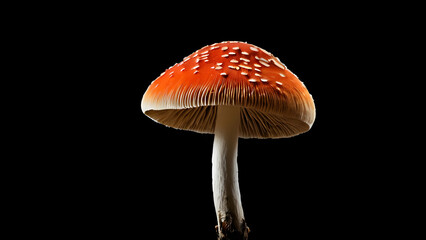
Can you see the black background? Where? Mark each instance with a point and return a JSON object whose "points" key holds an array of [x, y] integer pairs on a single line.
{"points": [[123, 175]]}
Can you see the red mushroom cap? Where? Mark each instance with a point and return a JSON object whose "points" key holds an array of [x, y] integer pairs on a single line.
{"points": [[274, 102]]}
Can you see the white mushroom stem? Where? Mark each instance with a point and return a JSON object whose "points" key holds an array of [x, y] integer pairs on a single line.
{"points": [[226, 191]]}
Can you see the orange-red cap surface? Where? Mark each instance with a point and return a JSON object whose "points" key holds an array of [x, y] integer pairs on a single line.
{"points": [[274, 102]]}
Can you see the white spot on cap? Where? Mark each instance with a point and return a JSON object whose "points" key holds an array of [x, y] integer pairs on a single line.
{"points": [[224, 48], [235, 48], [269, 54], [234, 61], [225, 55], [232, 53], [245, 53], [265, 64], [262, 59], [246, 67], [257, 65], [280, 83], [254, 49], [282, 75], [252, 80], [223, 74], [278, 63], [263, 80]]}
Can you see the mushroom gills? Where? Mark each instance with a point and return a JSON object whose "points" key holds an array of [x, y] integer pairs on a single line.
{"points": [[253, 123]]}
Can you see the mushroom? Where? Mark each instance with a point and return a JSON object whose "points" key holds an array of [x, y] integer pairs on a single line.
{"points": [[231, 89]]}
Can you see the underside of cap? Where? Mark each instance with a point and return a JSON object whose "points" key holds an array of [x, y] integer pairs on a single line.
{"points": [[253, 123], [273, 101]]}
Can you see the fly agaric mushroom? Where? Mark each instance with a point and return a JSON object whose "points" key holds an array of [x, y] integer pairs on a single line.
{"points": [[230, 89]]}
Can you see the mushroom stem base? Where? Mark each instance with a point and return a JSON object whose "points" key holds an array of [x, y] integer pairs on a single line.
{"points": [[226, 191], [228, 231]]}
